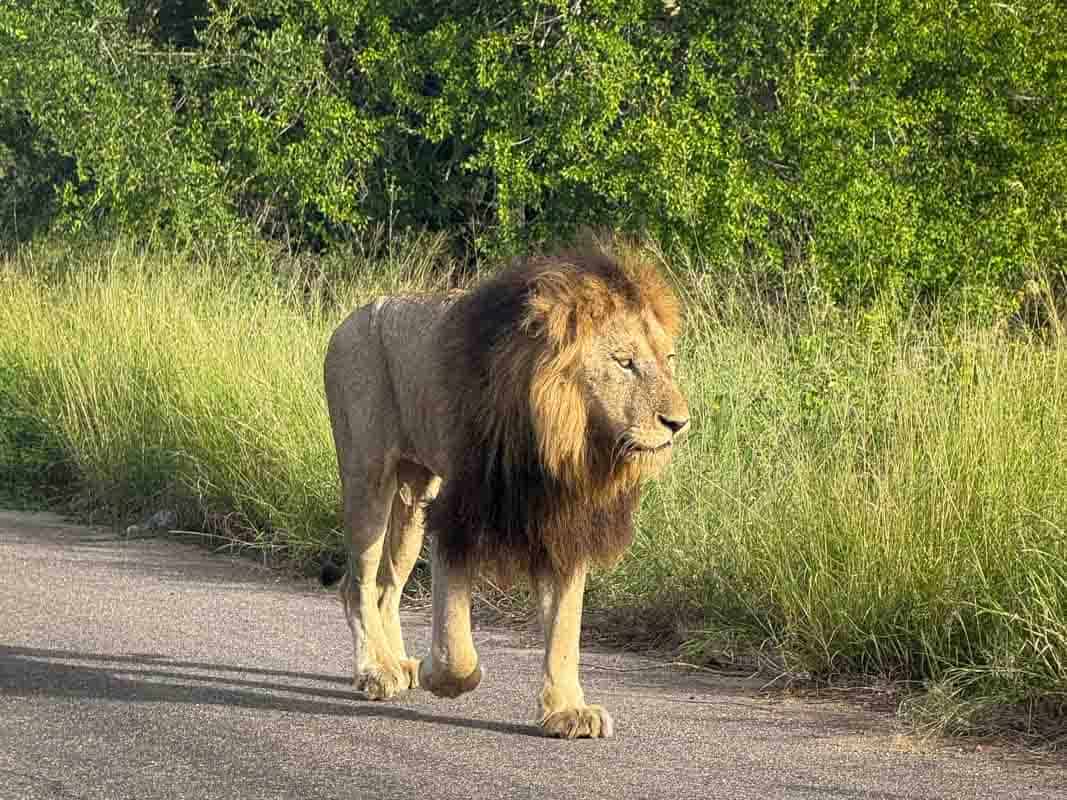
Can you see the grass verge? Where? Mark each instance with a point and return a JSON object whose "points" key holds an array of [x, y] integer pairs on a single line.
{"points": [[862, 493], [167, 380]]}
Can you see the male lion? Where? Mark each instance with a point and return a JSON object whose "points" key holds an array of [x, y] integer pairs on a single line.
{"points": [[540, 398]]}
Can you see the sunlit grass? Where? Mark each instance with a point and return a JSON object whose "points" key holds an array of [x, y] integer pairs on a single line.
{"points": [[868, 495], [172, 382]]}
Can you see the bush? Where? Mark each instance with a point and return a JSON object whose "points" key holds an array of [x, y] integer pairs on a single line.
{"points": [[904, 146]]}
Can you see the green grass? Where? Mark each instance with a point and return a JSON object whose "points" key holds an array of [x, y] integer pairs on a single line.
{"points": [[863, 493], [870, 494], [169, 381]]}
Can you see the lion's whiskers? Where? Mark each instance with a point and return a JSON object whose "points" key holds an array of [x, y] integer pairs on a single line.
{"points": [[624, 445]]}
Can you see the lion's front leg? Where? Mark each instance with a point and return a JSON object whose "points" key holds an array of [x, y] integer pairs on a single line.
{"points": [[564, 712], [452, 667]]}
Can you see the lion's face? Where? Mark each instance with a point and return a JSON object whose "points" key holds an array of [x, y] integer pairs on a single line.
{"points": [[636, 411], [600, 345]]}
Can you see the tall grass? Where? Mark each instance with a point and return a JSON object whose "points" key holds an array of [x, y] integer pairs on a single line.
{"points": [[173, 381], [862, 492], [869, 493]]}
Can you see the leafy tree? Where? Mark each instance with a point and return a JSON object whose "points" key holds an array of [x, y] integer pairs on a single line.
{"points": [[900, 145]]}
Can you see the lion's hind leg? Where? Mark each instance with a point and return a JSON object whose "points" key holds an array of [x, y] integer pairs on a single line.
{"points": [[377, 670], [403, 543], [365, 422]]}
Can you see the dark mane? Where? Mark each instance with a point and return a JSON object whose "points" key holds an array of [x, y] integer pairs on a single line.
{"points": [[514, 501]]}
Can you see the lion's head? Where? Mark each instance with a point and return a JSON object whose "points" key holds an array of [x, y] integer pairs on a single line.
{"points": [[598, 348], [562, 377]]}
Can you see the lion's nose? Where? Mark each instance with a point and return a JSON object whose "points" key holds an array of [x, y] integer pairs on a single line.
{"points": [[674, 423]]}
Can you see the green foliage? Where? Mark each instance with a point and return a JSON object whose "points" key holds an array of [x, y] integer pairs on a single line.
{"points": [[902, 146], [100, 95]]}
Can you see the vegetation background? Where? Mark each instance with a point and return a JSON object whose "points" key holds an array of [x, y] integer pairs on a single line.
{"points": [[907, 144], [863, 203]]}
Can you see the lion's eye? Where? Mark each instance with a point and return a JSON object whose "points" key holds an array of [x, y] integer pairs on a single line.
{"points": [[625, 362]]}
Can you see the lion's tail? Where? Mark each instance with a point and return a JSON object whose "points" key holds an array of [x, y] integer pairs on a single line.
{"points": [[330, 573]]}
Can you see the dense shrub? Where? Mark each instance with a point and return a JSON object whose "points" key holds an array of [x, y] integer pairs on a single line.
{"points": [[903, 145]]}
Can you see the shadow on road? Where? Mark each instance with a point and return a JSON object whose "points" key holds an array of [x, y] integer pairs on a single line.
{"points": [[143, 679]]}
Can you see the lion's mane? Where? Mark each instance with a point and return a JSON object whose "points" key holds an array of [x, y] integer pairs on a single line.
{"points": [[534, 486]]}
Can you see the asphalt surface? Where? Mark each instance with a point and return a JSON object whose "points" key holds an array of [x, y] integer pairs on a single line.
{"points": [[150, 668]]}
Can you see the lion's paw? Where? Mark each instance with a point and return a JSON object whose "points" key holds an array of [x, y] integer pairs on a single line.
{"points": [[587, 722], [381, 683], [446, 684]]}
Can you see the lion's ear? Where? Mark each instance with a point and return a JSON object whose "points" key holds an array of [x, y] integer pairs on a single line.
{"points": [[550, 309], [565, 307]]}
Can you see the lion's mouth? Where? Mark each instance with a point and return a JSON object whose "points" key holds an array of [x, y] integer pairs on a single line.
{"points": [[656, 449], [632, 450]]}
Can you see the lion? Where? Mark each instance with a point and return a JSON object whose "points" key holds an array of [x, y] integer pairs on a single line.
{"points": [[515, 422]]}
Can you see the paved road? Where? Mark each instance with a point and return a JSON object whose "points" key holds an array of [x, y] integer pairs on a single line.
{"points": [[153, 669]]}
